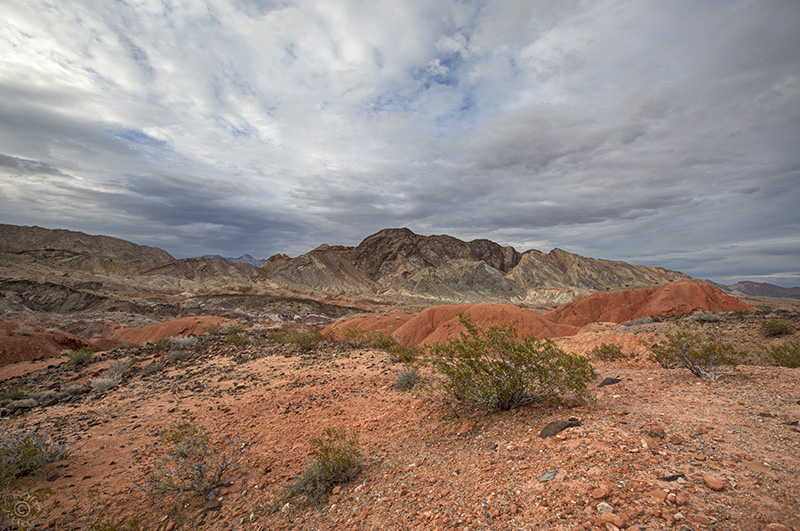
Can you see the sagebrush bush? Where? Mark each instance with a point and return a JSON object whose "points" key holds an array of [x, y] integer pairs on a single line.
{"points": [[81, 357], [776, 328], [22, 452], [407, 380], [24, 330], [118, 369], [337, 460], [693, 350], [183, 342], [307, 339], [238, 339], [214, 329], [786, 355], [708, 317], [14, 392], [179, 355], [151, 368], [192, 463], [490, 369], [608, 352], [102, 385]]}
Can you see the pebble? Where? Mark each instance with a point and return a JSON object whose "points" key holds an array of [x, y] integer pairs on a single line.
{"points": [[777, 527], [713, 482], [599, 493], [548, 476]]}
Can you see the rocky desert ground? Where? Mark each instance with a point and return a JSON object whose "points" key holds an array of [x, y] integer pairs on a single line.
{"points": [[656, 449]]}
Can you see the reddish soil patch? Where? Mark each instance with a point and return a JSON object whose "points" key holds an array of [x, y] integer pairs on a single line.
{"points": [[654, 447], [23, 341], [176, 327], [682, 298], [383, 323], [440, 323]]}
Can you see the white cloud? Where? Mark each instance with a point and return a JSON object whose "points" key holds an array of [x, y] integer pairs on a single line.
{"points": [[619, 129]]}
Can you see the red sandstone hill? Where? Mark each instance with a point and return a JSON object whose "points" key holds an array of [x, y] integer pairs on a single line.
{"points": [[439, 323], [682, 298], [383, 323], [28, 340], [172, 328]]}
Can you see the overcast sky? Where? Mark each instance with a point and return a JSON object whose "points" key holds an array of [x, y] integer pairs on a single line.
{"points": [[657, 132]]}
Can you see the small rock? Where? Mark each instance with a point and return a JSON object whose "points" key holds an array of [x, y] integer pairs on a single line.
{"points": [[777, 527], [557, 426], [681, 499], [548, 476], [336, 490], [673, 477], [767, 415], [213, 503], [170, 526], [658, 494], [713, 482], [609, 381], [600, 493], [604, 507]]}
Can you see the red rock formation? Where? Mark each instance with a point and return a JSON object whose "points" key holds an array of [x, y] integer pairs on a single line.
{"points": [[176, 327], [383, 323], [682, 298]]}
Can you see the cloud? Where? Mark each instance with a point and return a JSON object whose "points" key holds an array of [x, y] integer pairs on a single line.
{"points": [[653, 132]]}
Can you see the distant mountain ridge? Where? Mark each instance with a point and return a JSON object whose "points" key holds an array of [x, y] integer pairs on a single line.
{"points": [[758, 289], [16, 238], [398, 262], [245, 258], [393, 266]]}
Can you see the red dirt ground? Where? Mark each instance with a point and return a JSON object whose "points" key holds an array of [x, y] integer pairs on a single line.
{"points": [[42, 342], [383, 323], [175, 327]]}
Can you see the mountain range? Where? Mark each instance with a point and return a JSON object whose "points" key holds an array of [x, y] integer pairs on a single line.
{"points": [[59, 270]]}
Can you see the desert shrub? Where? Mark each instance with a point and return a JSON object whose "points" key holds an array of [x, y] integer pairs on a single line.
{"points": [[786, 355], [162, 345], [488, 368], [102, 385], [307, 339], [151, 368], [81, 357], [776, 327], [739, 312], [708, 317], [214, 329], [238, 339], [337, 460], [765, 308], [183, 342], [24, 330], [74, 388], [695, 351], [407, 380], [118, 369], [192, 464], [14, 392], [232, 328], [608, 352], [23, 452], [179, 355]]}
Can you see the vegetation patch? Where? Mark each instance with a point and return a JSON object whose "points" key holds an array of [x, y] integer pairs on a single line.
{"points": [[407, 380], [786, 355], [397, 353], [608, 352], [776, 328], [337, 460], [306, 338], [490, 369], [696, 351], [81, 357]]}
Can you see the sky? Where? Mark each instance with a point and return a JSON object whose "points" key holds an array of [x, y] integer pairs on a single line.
{"points": [[658, 133]]}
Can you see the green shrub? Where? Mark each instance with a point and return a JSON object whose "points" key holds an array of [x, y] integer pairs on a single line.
{"points": [[337, 460], [14, 392], [81, 357], [490, 369], [407, 380], [238, 339], [608, 352], [151, 368], [695, 351], [307, 339], [214, 329], [23, 452], [776, 327], [786, 355], [163, 344], [118, 369], [101, 385], [192, 464], [179, 355]]}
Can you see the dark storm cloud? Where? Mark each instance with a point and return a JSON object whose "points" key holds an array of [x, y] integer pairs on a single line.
{"points": [[654, 132]]}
